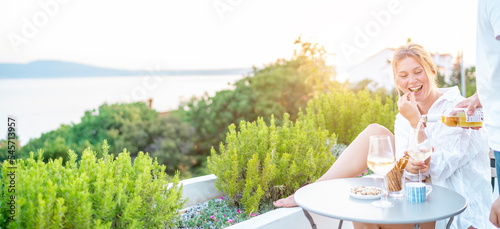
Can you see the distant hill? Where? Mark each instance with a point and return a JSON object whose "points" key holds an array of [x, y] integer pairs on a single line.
{"points": [[61, 69]]}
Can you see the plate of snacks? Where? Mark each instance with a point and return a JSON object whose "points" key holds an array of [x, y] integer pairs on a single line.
{"points": [[366, 192]]}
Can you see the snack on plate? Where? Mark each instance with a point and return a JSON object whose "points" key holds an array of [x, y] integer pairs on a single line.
{"points": [[362, 190]]}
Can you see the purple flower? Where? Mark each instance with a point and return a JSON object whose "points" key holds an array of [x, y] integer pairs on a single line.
{"points": [[215, 220], [212, 217], [222, 198], [238, 210], [224, 215], [230, 220]]}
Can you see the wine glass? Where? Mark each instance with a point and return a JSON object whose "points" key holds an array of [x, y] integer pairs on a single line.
{"points": [[381, 160], [419, 145]]}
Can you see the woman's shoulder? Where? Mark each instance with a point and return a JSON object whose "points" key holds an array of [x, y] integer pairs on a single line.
{"points": [[449, 98], [450, 94]]}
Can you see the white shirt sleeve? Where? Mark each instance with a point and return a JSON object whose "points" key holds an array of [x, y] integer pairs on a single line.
{"points": [[454, 147], [401, 131]]}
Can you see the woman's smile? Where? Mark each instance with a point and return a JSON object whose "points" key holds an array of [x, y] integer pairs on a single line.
{"points": [[416, 89]]}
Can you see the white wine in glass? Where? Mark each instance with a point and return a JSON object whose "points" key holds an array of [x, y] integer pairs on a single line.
{"points": [[380, 165], [419, 154], [381, 160], [419, 145]]}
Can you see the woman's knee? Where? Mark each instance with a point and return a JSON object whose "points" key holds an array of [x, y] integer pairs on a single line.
{"points": [[377, 129]]}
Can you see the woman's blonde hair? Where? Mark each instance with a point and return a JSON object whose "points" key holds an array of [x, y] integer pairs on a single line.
{"points": [[420, 55]]}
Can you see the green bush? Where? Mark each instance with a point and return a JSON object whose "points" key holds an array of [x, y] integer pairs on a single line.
{"points": [[211, 115], [166, 138], [456, 76], [4, 149], [90, 193], [347, 114], [260, 162], [280, 87], [132, 126], [95, 126]]}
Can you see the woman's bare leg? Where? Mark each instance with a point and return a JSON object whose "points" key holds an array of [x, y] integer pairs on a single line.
{"points": [[350, 163], [428, 225]]}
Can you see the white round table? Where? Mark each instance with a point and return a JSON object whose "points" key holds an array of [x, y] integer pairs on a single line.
{"points": [[332, 199]]}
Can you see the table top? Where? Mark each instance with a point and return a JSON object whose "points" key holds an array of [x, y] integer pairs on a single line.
{"points": [[332, 199]]}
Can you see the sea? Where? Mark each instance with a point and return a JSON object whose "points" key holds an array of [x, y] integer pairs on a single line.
{"points": [[43, 104]]}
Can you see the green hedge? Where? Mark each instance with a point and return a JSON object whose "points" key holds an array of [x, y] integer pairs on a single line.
{"points": [[347, 114], [260, 162], [90, 193]]}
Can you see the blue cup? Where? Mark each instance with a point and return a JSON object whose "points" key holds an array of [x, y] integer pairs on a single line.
{"points": [[417, 192]]}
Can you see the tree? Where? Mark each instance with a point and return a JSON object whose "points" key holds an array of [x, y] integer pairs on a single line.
{"points": [[93, 128], [167, 138], [456, 77], [11, 153], [280, 87], [54, 143]]}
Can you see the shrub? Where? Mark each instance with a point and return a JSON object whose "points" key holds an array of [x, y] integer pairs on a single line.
{"points": [[4, 148], [105, 123], [166, 138], [93, 193], [211, 115], [347, 114], [280, 87], [260, 162], [133, 126]]}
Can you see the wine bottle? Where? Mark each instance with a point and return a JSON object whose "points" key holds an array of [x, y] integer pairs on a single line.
{"points": [[457, 117]]}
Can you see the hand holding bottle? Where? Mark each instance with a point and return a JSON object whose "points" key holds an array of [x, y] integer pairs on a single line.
{"points": [[457, 117], [471, 103]]}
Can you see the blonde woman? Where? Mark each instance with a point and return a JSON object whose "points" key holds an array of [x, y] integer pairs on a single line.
{"points": [[460, 159]]}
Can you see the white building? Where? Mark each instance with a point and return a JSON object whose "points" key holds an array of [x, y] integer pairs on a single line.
{"points": [[378, 68]]}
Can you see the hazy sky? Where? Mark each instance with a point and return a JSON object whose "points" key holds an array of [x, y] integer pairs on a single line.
{"points": [[208, 34]]}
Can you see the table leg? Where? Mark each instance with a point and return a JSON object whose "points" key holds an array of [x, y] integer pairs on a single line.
{"points": [[340, 223], [449, 223], [309, 217], [417, 226]]}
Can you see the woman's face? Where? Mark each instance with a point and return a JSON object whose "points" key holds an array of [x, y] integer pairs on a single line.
{"points": [[411, 76]]}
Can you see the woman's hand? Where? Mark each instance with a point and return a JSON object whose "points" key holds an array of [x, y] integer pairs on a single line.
{"points": [[413, 166], [471, 104], [495, 213], [408, 108]]}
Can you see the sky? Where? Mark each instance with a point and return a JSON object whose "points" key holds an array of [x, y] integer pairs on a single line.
{"points": [[214, 34], [210, 34]]}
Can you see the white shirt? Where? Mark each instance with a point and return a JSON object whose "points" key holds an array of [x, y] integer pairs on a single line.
{"points": [[460, 161], [488, 67]]}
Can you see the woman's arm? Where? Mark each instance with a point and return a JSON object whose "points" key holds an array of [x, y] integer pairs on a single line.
{"points": [[408, 108]]}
